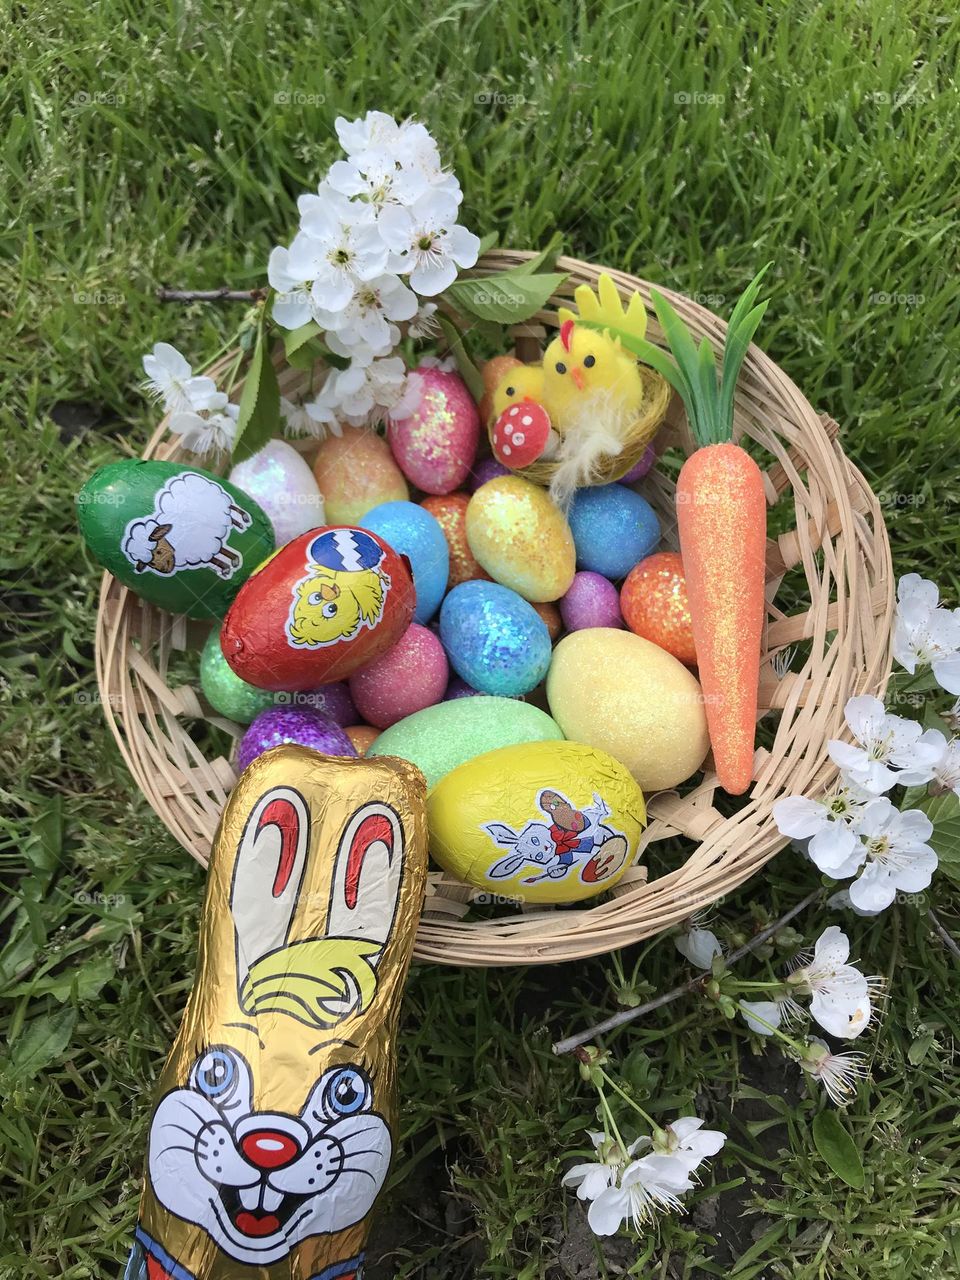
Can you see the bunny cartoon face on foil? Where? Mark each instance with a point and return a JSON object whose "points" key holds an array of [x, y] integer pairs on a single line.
{"points": [[272, 1138]]}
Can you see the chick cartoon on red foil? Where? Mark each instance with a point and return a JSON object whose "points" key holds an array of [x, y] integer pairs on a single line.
{"points": [[272, 1139], [572, 840], [343, 589]]}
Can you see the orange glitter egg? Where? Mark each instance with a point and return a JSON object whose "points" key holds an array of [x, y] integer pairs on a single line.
{"points": [[450, 512], [362, 737], [654, 604], [551, 616]]}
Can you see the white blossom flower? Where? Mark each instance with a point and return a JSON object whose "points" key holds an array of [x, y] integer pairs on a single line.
{"points": [[291, 273], [888, 749], [839, 1073], [763, 1017], [651, 1185], [171, 380], [365, 319], [297, 422], [347, 247], [213, 433], [363, 393], [925, 634], [424, 324], [699, 946], [946, 770], [829, 825], [427, 242], [898, 856], [840, 994], [593, 1176], [840, 901], [686, 1140]]}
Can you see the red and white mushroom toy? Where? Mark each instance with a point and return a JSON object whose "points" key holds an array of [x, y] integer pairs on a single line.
{"points": [[521, 434]]}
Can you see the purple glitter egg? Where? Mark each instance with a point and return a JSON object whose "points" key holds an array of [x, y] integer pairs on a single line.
{"points": [[308, 728], [592, 601], [458, 688], [331, 700], [641, 468], [484, 470]]}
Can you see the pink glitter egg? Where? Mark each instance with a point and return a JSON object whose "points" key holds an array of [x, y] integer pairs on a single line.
{"points": [[410, 676], [592, 601], [435, 446]]}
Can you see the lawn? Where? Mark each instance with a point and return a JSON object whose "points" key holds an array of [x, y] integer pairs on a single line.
{"points": [[147, 145]]}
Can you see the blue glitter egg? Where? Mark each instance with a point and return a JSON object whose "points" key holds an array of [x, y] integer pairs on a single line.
{"points": [[613, 529], [495, 640], [416, 534]]}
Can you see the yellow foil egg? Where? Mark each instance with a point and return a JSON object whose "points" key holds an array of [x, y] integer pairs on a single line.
{"points": [[624, 695], [541, 822], [356, 472], [521, 539]]}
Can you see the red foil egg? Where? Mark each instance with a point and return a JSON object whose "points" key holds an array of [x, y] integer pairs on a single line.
{"points": [[323, 606]]}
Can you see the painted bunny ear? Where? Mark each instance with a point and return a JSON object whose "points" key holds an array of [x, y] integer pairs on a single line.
{"points": [[505, 867], [267, 874], [367, 875]]}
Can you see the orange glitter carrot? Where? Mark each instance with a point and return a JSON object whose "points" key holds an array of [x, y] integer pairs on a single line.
{"points": [[722, 517]]}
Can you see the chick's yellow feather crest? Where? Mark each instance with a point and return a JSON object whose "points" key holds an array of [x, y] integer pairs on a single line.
{"points": [[605, 307]]}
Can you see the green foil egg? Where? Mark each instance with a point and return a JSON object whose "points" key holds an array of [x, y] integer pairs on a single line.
{"points": [[180, 537], [226, 692], [441, 738]]}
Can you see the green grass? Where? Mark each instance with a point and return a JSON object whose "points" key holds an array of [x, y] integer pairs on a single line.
{"points": [[166, 144]]}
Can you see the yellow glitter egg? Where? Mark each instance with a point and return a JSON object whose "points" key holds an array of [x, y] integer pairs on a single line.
{"points": [[541, 822], [356, 472], [624, 695], [521, 538]]}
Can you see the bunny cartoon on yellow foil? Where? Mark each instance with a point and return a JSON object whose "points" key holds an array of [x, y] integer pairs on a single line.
{"points": [[272, 1136]]}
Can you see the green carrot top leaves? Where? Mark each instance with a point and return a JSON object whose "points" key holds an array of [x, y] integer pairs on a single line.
{"points": [[692, 372]]}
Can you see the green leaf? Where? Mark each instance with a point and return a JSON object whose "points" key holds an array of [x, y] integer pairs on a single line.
{"points": [[508, 297], [488, 242], [294, 339], [707, 374], [545, 258], [468, 370], [259, 418], [42, 1043], [838, 1149], [685, 353], [734, 353], [944, 812]]}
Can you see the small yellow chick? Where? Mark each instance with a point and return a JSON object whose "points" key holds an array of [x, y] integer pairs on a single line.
{"points": [[593, 391], [522, 382], [589, 392]]}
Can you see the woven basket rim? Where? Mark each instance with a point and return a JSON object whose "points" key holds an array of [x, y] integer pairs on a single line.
{"points": [[840, 545]]}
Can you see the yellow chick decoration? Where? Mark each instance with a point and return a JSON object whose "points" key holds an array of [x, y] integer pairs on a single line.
{"points": [[588, 411]]}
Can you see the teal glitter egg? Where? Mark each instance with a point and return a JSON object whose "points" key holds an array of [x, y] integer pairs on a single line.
{"points": [[494, 639], [226, 692]]}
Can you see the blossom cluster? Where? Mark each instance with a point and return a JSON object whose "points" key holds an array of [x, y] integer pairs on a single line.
{"points": [[856, 830], [379, 236], [623, 1186], [199, 413]]}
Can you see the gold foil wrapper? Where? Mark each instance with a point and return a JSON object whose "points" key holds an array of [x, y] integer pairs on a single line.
{"points": [[273, 1133]]}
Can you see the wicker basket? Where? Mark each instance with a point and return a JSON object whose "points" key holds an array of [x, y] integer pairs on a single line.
{"points": [[837, 557]]}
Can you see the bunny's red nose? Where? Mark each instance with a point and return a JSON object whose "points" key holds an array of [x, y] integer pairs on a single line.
{"points": [[268, 1148]]}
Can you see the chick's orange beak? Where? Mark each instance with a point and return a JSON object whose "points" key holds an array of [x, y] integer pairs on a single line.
{"points": [[576, 374], [329, 590]]}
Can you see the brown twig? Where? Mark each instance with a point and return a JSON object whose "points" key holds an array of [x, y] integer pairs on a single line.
{"points": [[628, 1015], [223, 294], [947, 938]]}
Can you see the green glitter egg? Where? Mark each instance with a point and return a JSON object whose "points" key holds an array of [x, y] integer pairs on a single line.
{"points": [[445, 736], [226, 692]]}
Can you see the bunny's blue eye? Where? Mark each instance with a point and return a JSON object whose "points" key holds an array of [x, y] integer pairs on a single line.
{"points": [[346, 1092], [215, 1075]]}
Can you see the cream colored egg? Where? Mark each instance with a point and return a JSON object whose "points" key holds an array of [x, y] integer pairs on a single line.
{"points": [[521, 538], [632, 699]]}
